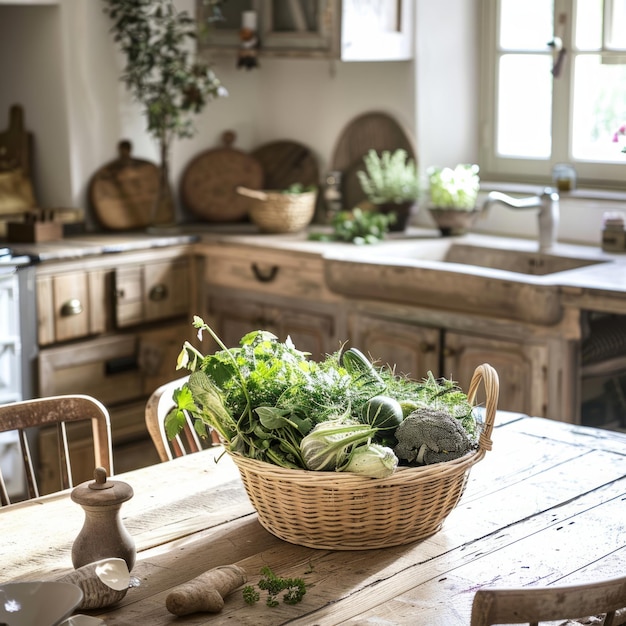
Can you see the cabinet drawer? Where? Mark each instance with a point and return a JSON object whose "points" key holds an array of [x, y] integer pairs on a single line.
{"points": [[114, 369], [266, 271], [152, 292], [106, 368], [70, 305]]}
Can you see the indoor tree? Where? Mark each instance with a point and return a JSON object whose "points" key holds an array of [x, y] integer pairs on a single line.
{"points": [[162, 73]]}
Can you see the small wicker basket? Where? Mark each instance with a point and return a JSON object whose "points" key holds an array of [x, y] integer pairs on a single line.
{"points": [[342, 511], [280, 212]]}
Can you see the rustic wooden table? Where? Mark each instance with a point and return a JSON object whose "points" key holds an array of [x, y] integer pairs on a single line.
{"points": [[545, 506]]}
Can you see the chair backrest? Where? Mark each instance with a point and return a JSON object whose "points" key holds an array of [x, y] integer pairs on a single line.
{"points": [[56, 411], [533, 605], [159, 404]]}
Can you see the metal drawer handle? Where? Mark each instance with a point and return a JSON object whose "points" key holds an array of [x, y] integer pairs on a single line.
{"points": [[71, 307], [158, 293], [264, 277]]}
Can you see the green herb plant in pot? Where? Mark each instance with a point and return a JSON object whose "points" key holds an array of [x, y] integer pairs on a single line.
{"points": [[391, 184], [453, 194]]}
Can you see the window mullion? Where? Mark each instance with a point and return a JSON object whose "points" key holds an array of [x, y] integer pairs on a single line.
{"points": [[563, 84]]}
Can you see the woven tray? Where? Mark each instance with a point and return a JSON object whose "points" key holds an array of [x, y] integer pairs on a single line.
{"points": [[342, 511]]}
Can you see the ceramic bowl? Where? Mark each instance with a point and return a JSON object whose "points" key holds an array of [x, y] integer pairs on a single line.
{"points": [[42, 603]]}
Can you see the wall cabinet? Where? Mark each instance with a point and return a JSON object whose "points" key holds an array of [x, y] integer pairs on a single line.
{"points": [[348, 30]]}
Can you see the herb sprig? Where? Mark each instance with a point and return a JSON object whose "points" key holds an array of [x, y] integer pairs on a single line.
{"points": [[294, 589]]}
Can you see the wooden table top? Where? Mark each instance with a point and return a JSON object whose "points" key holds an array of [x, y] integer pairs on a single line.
{"points": [[546, 506]]}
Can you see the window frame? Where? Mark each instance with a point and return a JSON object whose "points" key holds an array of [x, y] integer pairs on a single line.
{"points": [[537, 171]]}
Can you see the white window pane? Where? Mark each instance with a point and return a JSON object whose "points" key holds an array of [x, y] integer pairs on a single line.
{"points": [[588, 27], [526, 24], [615, 26], [599, 109], [524, 106]]}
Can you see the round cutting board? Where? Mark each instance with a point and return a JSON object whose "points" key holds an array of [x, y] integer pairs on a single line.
{"points": [[123, 192], [373, 130], [209, 183], [285, 163]]}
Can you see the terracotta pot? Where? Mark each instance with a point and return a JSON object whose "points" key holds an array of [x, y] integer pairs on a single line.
{"points": [[452, 222], [403, 212]]}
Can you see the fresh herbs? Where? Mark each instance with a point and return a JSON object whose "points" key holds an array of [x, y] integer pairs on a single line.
{"points": [[358, 227], [389, 177], [269, 401], [293, 588]]}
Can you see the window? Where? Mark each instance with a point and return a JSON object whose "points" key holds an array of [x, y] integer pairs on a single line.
{"points": [[554, 89]]}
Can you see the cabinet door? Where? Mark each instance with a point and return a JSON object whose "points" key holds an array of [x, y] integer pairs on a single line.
{"points": [[70, 305], [295, 25], [152, 292], [310, 331], [521, 367], [376, 30], [166, 291], [412, 349]]}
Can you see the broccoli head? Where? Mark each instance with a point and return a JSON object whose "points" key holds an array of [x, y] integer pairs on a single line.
{"points": [[429, 436]]}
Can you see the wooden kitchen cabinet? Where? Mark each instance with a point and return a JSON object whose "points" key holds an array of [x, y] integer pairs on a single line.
{"points": [[522, 368], [70, 305], [112, 326], [153, 291], [348, 30], [234, 315], [280, 291], [414, 350]]}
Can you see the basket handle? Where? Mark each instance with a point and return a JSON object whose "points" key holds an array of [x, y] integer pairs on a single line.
{"points": [[489, 377], [252, 193]]}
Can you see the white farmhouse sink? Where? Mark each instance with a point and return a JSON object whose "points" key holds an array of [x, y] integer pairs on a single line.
{"points": [[511, 260], [476, 274]]}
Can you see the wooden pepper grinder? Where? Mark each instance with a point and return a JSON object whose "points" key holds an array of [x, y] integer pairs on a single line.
{"points": [[103, 534]]}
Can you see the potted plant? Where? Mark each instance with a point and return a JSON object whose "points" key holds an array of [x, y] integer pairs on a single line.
{"points": [[453, 194], [391, 183], [163, 76]]}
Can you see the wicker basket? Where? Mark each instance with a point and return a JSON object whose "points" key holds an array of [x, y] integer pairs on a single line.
{"points": [[279, 212], [342, 511]]}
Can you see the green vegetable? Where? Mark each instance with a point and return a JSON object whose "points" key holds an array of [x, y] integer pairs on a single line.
{"points": [[328, 445], [358, 227], [382, 412], [361, 368], [264, 397], [431, 436], [294, 589], [390, 177], [372, 460]]}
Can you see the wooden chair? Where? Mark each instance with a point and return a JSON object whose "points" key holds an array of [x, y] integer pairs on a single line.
{"points": [[159, 404], [532, 605], [56, 411]]}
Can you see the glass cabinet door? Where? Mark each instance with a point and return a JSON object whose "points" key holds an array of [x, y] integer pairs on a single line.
{"points": [[297, 25], [222, 33]]}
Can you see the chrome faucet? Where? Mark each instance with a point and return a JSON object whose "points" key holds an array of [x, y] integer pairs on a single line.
{"points": [[548, 205]]}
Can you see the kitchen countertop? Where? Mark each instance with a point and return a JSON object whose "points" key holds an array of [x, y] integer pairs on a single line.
{"points": [[97, 244], [605, 279]]}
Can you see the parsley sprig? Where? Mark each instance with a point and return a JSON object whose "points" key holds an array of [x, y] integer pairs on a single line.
{"points": [[293, 588]]}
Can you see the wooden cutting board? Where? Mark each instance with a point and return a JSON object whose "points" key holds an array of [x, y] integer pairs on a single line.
{"points": [[373, 130], [285, 163], [209, 183], [122, 193]]}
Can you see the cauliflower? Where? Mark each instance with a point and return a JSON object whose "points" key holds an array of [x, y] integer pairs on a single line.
{"points": [[431, 436]]}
